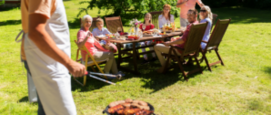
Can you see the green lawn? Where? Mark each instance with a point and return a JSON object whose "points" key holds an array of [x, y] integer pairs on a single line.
{"points": [[243, 86]]}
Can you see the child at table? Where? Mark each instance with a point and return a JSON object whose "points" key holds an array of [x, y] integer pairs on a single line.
{"points": [[100, 34], [147, 25]]}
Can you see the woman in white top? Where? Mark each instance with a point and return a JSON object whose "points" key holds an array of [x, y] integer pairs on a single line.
{"points": [[206, 16], [165, 17]]}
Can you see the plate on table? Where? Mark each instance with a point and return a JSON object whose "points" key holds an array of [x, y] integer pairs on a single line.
{"points": [[130, 107]]}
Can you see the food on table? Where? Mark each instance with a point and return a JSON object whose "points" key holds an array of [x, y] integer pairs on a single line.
{"points": [[129, 107], [162, 33], [133, 37], [110, 35], [148, 32]]}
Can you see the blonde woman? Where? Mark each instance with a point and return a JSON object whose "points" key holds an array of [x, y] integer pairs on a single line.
{"points": [[165, 17], [206, 16]]}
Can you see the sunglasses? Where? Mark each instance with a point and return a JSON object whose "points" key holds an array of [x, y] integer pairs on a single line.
{"points": [[202, 10]]}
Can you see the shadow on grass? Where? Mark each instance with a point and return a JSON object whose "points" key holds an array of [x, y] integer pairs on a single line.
{"points": [[7, 8], [268, 70], [10, 22], [155, 81], [24, 99], [160, 81], [243, 15]]}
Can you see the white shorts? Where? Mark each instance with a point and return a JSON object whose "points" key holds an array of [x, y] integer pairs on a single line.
{"points": [[52, 81], [184, 22]]}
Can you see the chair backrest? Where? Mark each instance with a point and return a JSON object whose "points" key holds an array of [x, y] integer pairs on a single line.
{"points": [[194, 39], [113, 23], [154, 19], [214, 18], [218, 33]]}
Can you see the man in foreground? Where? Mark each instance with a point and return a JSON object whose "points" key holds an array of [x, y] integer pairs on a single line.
{"points": [[47, 49]]}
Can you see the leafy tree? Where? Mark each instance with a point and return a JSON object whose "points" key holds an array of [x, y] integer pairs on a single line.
{"points": [[2, 2]]}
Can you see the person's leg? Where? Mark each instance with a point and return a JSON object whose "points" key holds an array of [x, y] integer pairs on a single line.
{"points": [[144, 50], [98, 56], [161, 48], [40, 108], [151, 48]]}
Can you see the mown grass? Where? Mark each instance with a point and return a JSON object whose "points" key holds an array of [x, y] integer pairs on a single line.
{"points": [[241, 87]]}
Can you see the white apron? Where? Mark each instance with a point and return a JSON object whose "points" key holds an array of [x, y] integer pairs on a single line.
{"points": [[51, 78]]}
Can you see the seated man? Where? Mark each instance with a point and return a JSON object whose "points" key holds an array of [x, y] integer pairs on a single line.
{"points": [[179, 42]]}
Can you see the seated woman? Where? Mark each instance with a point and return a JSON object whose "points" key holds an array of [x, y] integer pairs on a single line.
{"points": [[206, 16], [85, 37], [147, 25], [165, 17]]}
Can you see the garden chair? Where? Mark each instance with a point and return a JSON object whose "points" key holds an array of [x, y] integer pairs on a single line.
{"points": [[87, 63], [154, 19], [214, 19], [214, 41], [113, 23], [190, 50]]}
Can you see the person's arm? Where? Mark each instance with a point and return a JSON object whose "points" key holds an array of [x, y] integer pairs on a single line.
{"points": [[81, 43], [200, 3], [45, 43], [178, 41], [180, 3], [99, 47]]}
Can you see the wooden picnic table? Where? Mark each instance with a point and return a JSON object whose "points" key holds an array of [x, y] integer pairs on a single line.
{"points": [[135, 54]]}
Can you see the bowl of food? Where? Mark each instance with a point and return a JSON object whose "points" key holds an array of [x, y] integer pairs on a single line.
{"points": [[129, 107]]}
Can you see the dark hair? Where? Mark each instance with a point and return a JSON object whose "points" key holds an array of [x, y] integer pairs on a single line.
{"points": [[194, 11]]}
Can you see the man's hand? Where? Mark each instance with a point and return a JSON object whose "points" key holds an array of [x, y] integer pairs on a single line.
{"points": [[76, 69], [167, 43]]}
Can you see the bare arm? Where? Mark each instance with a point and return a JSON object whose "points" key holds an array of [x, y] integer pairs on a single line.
{"points": [[200, 3], [181, 3], [45, 43], [179, 41], [82, 43]]}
